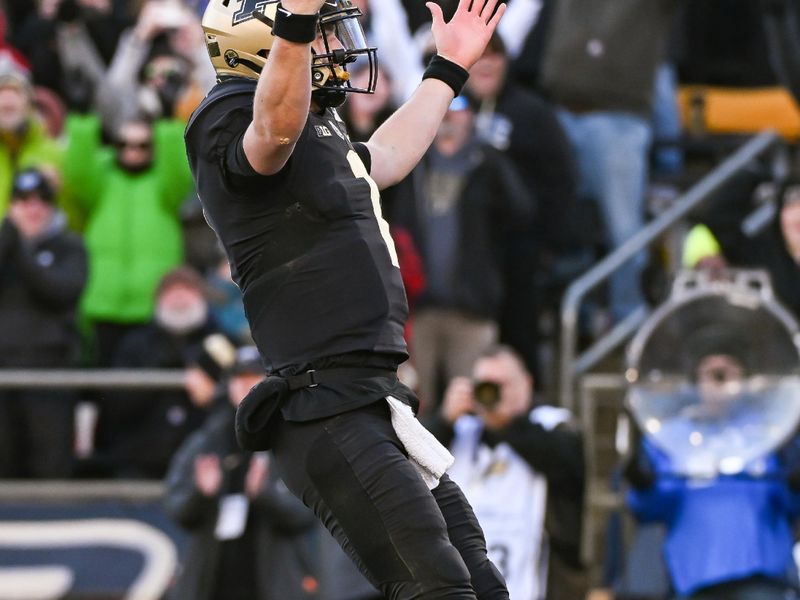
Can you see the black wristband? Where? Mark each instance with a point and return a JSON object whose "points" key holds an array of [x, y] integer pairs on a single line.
{"points": [[301, 29], [447, 71]]}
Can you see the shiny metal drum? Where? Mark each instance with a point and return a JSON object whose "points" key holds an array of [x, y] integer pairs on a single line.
{"points": [[714, 374]]}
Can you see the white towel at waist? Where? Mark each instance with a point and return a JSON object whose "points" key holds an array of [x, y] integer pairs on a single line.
{"points": [[425, 452]]}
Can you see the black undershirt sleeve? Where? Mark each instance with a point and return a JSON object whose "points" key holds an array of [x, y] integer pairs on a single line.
{"points": [[363, 153], [236, 159]]}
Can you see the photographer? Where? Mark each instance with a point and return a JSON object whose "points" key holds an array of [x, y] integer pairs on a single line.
{"points": [[521, 467]]}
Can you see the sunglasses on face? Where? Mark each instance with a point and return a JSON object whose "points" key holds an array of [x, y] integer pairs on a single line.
{"points": [[124, 144]]}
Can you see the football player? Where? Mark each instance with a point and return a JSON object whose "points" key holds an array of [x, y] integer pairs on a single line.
{"points": [[297, 208]]}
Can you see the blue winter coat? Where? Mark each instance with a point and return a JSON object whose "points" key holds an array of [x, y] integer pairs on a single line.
{"points": [[722, 529]]}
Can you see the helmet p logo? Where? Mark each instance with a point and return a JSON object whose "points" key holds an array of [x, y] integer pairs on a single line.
{"points": [[246, 8]]}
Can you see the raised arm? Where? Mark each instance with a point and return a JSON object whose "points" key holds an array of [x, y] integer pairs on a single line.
{"points": [[282, 100], [398, 145]]}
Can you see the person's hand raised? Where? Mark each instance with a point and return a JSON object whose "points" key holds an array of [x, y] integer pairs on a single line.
{"points": [[465, 37], [207, 474]]}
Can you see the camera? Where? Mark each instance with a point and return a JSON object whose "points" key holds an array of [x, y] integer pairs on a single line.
{"points": [[486, 393]]}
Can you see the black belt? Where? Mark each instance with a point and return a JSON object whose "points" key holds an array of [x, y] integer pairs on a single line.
{"points": [[313, 377]]}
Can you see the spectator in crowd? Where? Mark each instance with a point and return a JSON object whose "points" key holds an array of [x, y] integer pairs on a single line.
{"points": [[69, 43], [42, 273], [525, 38], [599, 66], [521, 466], [526, 128], [364, 113], [729, 536], [160, 68], [782, 24], [458, 203], [523, 18], [7, 50], [386, 27], [132, 195], [776, 249], [225, 302], [139, 431], [250, 538], [23, 140], [667, 157], [202, 249]]}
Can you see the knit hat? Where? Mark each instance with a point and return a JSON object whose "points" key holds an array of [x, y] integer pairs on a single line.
{"points": [[31, 181]]}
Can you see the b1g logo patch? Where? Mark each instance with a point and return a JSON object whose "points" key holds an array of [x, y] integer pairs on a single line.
{"points": [[322, 131]]}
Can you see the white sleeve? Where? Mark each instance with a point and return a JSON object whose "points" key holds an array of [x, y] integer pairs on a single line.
{"points": [[398, 53], [519, 19]]}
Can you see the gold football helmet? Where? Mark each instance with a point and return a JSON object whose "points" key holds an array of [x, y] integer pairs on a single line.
{"points": [[239, 38]]}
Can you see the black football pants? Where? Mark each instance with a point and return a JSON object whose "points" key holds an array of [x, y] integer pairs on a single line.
{"points": [[410, 542]]}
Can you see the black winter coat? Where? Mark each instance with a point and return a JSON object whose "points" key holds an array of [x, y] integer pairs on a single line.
{"points": [[139, 431], [40, 284], [493, 200], [283, 530]]}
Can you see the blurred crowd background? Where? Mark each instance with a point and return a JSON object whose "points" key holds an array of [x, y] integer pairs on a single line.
{"points": [[583, 121]]}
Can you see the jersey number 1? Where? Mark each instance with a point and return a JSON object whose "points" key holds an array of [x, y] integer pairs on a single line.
{"points": [[360, 171]]}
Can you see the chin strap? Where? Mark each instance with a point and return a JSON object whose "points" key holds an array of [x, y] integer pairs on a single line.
{"points": [[329, 97]]}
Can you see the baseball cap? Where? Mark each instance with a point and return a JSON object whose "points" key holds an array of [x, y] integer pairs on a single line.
{"points": [[32, 181]]}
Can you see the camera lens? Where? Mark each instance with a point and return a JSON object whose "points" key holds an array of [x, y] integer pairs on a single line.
{"points": [[487, 393]]}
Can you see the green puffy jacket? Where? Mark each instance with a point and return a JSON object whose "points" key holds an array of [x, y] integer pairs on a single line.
{"points": [[133, 233]]}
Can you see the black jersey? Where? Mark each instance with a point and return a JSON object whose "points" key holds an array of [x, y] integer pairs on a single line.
{"points": [[308, 246]]}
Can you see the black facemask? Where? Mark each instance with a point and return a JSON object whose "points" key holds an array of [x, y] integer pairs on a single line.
{"points": [[328, 97]]}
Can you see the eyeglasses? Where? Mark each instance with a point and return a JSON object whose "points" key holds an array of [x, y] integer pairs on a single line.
{"points": [[123, 144]]}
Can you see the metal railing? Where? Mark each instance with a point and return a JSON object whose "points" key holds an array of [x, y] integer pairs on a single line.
{"points": [[130, 379], [600, 456], [59, 490], [572, 365]]}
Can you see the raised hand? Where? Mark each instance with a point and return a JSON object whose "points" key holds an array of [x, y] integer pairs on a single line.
{"points": [[465, 37], [207, 474], [458, 399]]}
